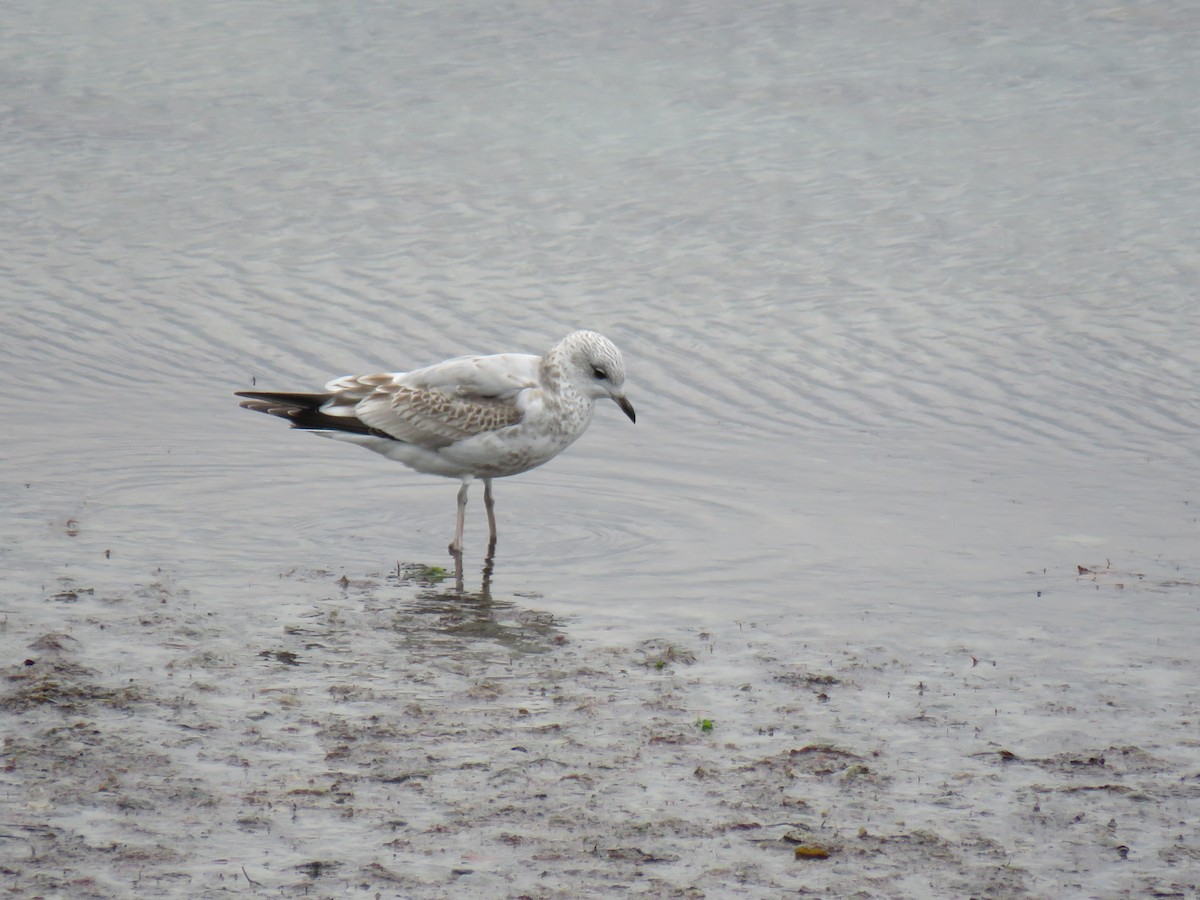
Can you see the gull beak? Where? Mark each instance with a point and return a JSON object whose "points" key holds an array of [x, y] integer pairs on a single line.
{"points": [[626, 406]]}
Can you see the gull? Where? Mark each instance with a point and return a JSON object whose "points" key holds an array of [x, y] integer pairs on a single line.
{"points": [[469, 417]]}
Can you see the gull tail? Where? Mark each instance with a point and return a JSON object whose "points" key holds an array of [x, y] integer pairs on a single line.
{"points": [[308, 412]]}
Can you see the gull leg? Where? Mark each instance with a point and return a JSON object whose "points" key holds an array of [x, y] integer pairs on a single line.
{"points": [[458, 572], [456, 545], [490, 505]]}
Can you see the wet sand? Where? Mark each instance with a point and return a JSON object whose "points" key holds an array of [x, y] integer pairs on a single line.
{"points": [[390, 736]]}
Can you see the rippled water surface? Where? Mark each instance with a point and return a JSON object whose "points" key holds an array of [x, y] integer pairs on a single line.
{"points": [[908, 296], [904, 296]]}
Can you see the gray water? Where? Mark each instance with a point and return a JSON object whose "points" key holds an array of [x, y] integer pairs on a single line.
{"points": [[907, 294]]}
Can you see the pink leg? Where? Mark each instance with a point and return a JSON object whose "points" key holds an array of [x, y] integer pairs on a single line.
{"points": [[456, 545], [490, 505]]}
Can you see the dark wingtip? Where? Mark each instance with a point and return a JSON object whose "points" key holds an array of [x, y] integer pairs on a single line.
{"points": [[294, 407], [303, 411]]}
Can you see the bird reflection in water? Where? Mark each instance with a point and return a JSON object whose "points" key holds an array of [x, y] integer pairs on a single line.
{"points": [[472, 620]]}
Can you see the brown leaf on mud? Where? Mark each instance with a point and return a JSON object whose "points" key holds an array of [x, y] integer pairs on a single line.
{"points": [[807, 851]]}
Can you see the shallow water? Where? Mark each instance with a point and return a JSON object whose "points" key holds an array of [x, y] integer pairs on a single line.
{"points": [[907, 296]]}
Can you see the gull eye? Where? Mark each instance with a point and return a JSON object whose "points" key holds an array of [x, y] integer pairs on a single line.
{"points": [[599, 374]]}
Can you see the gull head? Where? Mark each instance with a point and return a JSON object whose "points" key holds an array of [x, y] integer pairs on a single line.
{"points": [[594, 365]]}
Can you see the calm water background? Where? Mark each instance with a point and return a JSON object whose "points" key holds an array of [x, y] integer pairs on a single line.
{"points": [[907, 292]]}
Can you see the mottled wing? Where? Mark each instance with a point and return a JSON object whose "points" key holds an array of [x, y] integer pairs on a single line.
{"points": [[441, 404]]}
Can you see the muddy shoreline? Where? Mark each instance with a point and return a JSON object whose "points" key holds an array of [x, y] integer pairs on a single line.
{"points": [[390, 736]]}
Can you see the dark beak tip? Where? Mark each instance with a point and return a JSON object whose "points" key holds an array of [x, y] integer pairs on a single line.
{"points": [[627, 408]]}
